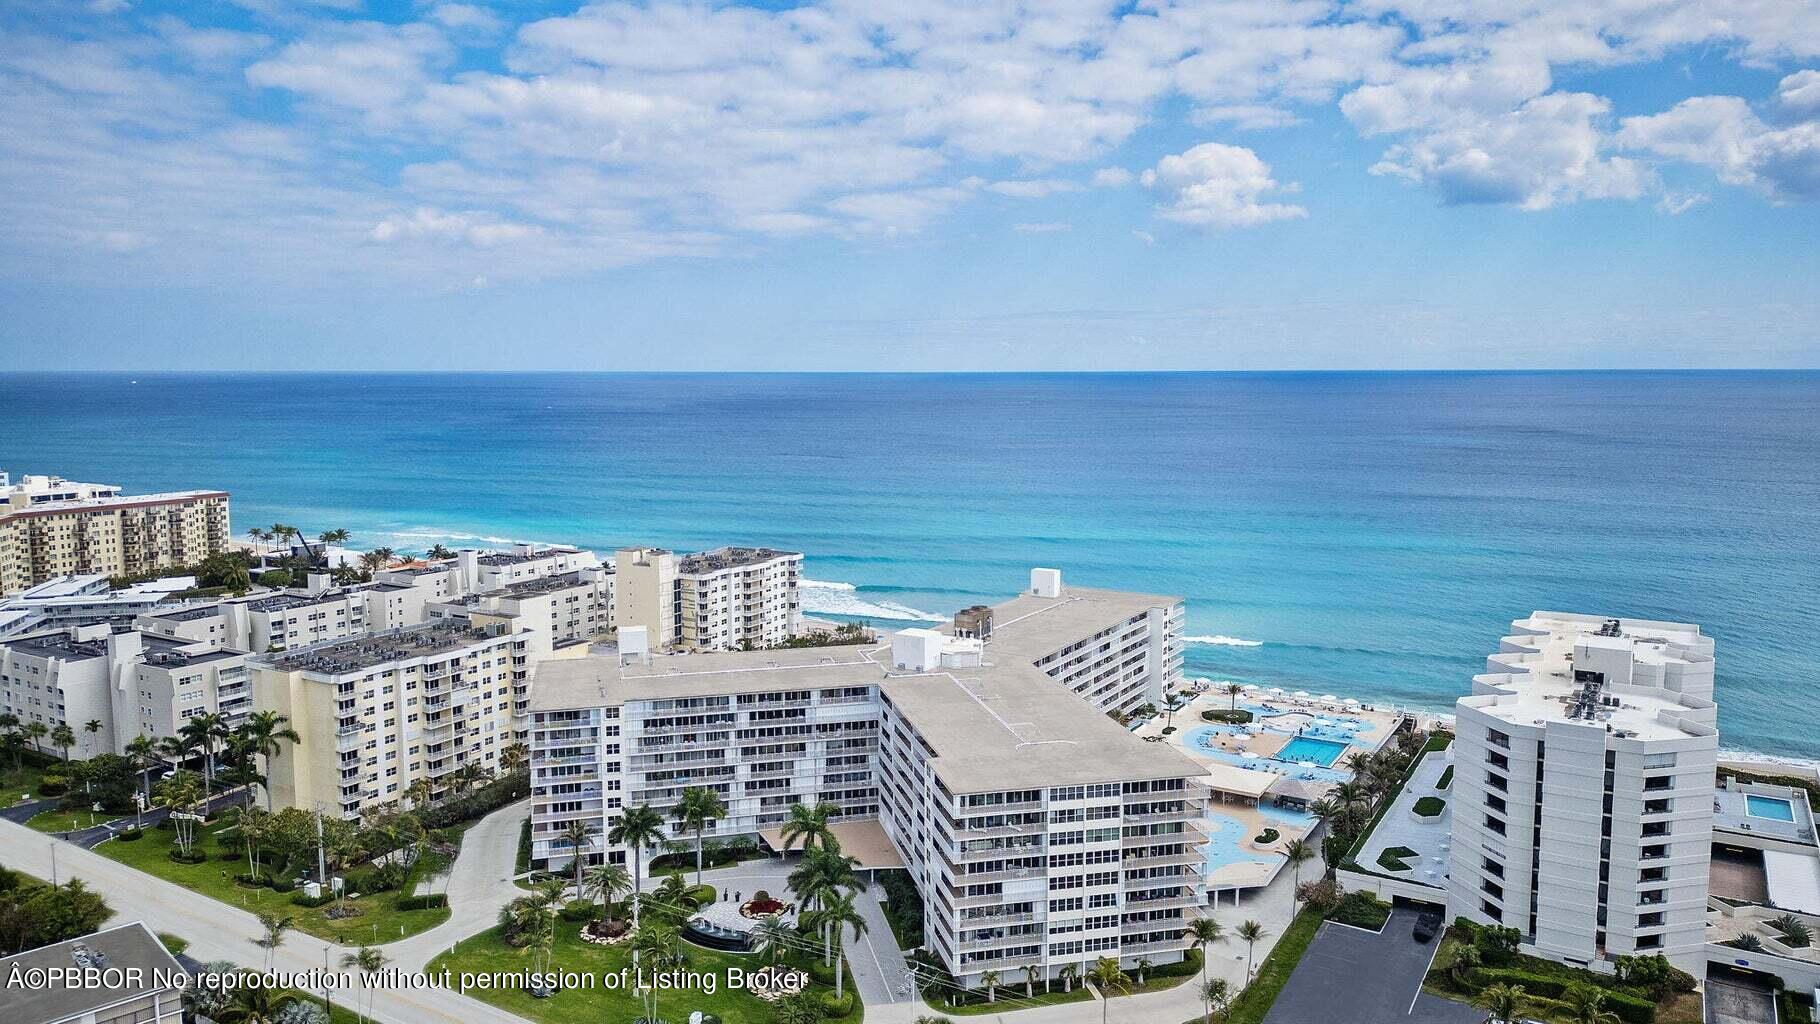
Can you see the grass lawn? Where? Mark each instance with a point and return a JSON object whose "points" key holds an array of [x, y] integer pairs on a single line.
{"points": [[487, 954], [1255, 1001], [379, 922], [1396, 858], [68, 820], [18, 784], [1010, 997]]}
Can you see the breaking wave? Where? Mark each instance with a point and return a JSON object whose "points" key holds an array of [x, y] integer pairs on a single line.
{"points": [[1222, 641]]}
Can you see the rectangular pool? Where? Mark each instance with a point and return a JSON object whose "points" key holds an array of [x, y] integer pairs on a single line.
{"points": [[1771, 807], [1307, 748]]}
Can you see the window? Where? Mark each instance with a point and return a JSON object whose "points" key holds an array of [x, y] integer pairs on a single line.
{"points": [[1494, 824]]}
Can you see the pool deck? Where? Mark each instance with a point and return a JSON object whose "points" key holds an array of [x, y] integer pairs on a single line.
{"points": [[1238, 790]]}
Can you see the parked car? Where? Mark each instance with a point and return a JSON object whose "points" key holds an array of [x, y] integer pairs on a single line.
{"points": [[1427, 926]]}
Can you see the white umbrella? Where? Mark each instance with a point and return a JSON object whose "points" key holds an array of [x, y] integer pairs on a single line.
{"points": [[1330, 698], [1322, 723], [1251, 686], [1301, 693], [1351, 702], [1276, 691]]}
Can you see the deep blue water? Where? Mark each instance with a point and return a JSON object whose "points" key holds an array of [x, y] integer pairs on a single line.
{"points": [[1374, 533]]}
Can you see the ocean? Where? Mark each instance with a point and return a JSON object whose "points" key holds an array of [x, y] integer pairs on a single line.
{"points": [[1369, 534]]}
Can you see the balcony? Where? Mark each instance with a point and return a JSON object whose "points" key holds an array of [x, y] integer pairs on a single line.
{"points": [[348, 739]]}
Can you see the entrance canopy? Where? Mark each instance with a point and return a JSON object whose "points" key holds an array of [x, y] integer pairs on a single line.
{"points": [[865, 841]]}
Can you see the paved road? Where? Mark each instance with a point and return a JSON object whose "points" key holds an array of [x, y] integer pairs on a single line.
{"points": [[1363, 978]]}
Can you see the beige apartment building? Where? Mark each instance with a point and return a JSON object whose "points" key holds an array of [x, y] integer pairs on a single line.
{"points": [[377, 712], [46, 533]]}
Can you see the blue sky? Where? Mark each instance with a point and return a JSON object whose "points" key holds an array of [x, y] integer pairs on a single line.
{"points": [[1246, 184]]}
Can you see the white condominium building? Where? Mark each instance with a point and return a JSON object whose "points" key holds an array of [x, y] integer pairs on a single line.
{"points": [[571, 607], [44, 535], [285, 619], [86, 600], [132, 683], [378, 711], [730, 599], [1583, 789], [727, 599], [491, 570], [1039, 831]]}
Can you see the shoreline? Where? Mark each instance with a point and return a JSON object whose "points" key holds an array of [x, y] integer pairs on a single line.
{"points": [[1741, 757]]}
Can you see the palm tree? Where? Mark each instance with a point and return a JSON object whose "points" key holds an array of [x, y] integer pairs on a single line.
{"points": [[822, 874], [1215, 993], [439, 550], [256, 535], [275, 927], [638, 827], [698, 808], [1501, 1003], [1031, 973], [142, 755], [1067, 974], [577, 833], [1202, 932], [92, 726], [36, 732], [1251, 932], [63, 738], [810, 826], [1794, 930], [265, 733], [609, 882], [1586, 1005], [335, 536], [1107, 977], [179, 795], [771, 936], [201, 733], [1233, 690], [840, 915], [369, 961], [418, 792], [513, 758], [989, 981], [1297, 852], [252, 1004], [9, 724]]}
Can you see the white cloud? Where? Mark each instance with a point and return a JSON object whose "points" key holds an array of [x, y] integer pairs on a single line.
{"points": [[430, 224], [1213, 185], [1046, 227], [1246, 116], [1033, 188], [1112, 177], [1548, 151], [1724, 134]]}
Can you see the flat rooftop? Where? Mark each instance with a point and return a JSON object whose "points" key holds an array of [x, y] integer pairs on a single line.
{"points": [[1734, 810], [359, 653], [729, 558], [57, 645], [519, 557], [1003, 725], [1531, 681], [118, 501], [542, 585], [128, 945]]}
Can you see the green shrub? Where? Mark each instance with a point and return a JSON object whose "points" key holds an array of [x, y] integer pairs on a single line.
{"points": [[834, 1008], [53, 785], [1395, 858], [1361, 909], [1429, 806], [283, 885], [1269, 835], [197, 857], [1446, 778], [175, 943], [128, 835], [577, 911], [302, 899], [479, 803], [1227, 716], [1629, 1008], [429, 901]]}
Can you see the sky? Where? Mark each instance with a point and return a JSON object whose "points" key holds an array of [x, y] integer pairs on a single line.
{"points": [[847, 185]]}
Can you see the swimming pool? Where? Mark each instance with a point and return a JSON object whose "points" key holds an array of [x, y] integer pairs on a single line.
{"points": [[1204, 741], [1771, 807], [1308, 748], [1223, 847]]}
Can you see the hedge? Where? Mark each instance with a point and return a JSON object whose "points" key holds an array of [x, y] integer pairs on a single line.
{"points": [[427, 901], [1394, 858], [1429, 806], [302, 899], [1361, 909], [1446, 778], [577, 911], [479, 803], [1630, 1009], [127, 835], [1227, 716]]}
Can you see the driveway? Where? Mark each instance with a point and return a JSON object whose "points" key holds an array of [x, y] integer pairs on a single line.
{"points": [[1736, 998], [1359, 977]]}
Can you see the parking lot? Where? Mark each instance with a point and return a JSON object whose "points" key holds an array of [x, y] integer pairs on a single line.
{"points": [[1355, 976]]}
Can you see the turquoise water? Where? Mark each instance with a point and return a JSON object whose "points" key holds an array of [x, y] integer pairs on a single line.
{"points": [[1769, 807], [1370, 535], [1202, 740], [1307, 748], [1223, 848]]}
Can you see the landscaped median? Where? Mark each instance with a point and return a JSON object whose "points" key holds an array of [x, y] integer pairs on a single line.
{"points": [[1012, 992], [601, 986], [1475, 958], [373, 918]]}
